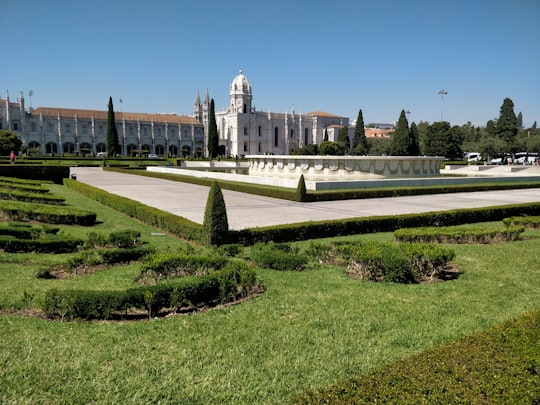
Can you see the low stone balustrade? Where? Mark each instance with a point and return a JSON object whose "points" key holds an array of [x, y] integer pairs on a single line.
{"points": [[343, 167]]}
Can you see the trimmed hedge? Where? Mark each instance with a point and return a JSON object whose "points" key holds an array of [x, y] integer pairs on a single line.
{"points": [[167, 265], [497, 366], [36, 172], [34, 230], [41, 198], [411, 191], [389, 223], [235, 281], [278, 256], [459, 234], [107, 256], [527, 221], [377, 261], [46, 245], [29, 187], [20, 211]]}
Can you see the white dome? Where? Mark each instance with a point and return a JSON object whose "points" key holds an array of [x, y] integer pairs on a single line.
{"points": [[240, 85]]}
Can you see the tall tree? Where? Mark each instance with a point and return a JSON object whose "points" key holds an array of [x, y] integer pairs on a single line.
{"points": [[400, 138], [414, 143], [343, 137], [113, 144], [436, 140], [215, 224], [359, 142], [444, 140], [213, 137], [520, 121], [507, 125], [325, 138]]}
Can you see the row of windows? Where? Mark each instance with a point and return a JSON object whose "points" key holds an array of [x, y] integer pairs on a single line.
{"points": [[276, 134], [130, 129]]}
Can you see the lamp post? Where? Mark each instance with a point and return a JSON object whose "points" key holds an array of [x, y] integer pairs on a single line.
{"points": [[442, 93]]}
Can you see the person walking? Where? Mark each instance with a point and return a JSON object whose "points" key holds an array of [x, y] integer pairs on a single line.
{"points": [[12, 157]]}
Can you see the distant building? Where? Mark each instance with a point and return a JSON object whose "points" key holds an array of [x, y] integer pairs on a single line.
{"points": [[49, 130], [242, 129], [245, 131]]}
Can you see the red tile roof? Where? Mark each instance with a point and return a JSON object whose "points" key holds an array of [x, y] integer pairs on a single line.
{"points": [[322, 114], [119, 116]]}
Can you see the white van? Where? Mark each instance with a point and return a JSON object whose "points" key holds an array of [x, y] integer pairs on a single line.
{"points": [[473, 156]]}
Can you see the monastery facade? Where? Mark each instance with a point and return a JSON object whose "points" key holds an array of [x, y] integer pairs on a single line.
{"points": [[245, 131], [242, 130]]}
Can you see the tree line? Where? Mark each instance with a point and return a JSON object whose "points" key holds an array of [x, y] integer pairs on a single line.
{"points": [[501, 136]]}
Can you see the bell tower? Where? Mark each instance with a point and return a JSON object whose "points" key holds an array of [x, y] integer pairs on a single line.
{"points": [[240, 95]]}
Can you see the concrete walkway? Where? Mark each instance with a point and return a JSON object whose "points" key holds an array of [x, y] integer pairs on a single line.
{"points": [[249, 211]]}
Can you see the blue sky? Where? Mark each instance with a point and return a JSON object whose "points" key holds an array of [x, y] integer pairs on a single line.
{"points": [[380, 56]]}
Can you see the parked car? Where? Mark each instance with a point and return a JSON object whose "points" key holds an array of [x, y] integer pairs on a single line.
{"points": [[152, 156], [101, 154], [473, 156]]}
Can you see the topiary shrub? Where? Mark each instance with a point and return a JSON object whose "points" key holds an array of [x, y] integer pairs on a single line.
{"points": [[215, 226], [124, 239], [279, 256], [301, 192]]}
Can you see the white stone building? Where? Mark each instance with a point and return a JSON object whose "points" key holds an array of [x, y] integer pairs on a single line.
{"points": [[48, 130], [242, 129], [245, 131]]}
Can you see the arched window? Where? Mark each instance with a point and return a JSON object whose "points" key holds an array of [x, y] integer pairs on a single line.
{"points": [[160, 150], [85, 148], [132, 149], [51, 147], [173, 150], [276, 136], [34, 148], [186, 150], [259, 130], [245, 108], [69, 147], [292, 133]]}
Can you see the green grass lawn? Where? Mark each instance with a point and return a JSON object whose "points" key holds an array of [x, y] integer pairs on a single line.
{"points": [[309, 329]]}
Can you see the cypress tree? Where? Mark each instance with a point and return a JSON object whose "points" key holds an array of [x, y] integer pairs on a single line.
{"points": [[399, 143], [215, 225], [213, 137], [325, 139], [506, 127], [113, 145], [301, 192], [414, 143], [343, 137], [360, 142]]}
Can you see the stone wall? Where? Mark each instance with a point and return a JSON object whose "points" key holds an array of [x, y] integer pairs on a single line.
{"points": [[343, 167]]}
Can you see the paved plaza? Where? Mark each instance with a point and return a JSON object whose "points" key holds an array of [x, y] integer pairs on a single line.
{"points": [[249, 211]]}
